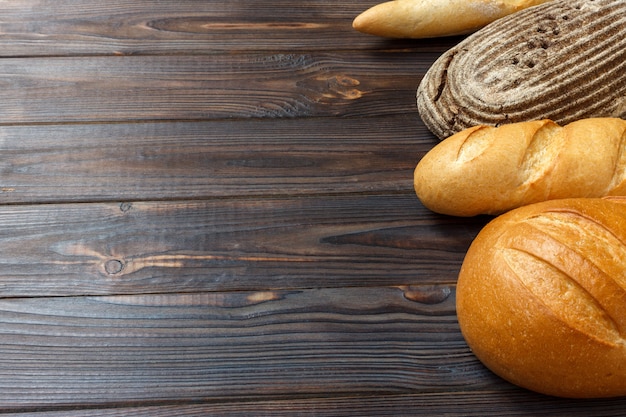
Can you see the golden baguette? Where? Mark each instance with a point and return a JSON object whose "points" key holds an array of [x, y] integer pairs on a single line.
{"points": [[489, 170], [541, 297], [434, 18]]}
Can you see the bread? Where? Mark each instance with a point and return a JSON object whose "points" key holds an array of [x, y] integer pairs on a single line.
{"points": [[541, 297], [434, 18], [563, 60], [489, 170]]}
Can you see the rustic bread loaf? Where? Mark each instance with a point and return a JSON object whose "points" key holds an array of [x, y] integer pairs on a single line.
{"points": [[563, 60], [433, 18], [489, 170], [541, 297]]}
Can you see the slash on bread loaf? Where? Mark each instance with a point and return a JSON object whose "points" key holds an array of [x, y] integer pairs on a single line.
{"points": [[563, 60], [489, 170], [541, 297]]}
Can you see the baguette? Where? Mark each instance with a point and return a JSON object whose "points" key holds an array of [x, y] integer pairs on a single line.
{"points": [[564, 60], [490, 170], [434, 18], [541, 297]]}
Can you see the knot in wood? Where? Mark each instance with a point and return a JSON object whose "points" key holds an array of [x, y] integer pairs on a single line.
{"points": [[431, 294], [125, 207], [113, 266]]}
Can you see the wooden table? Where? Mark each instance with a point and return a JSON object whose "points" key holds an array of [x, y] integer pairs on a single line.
{"points": [[207, 209]]}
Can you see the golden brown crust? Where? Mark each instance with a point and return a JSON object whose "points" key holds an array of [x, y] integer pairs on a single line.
{"points": [[541, 297], [489, 170], [434, 18]]}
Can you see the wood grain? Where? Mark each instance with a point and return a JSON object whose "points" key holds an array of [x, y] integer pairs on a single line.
{"points": [[247, 85], [235, 244], [209, 159], [239, 345], [90, 27], [466, 404], [206, 208], [305, 352]]}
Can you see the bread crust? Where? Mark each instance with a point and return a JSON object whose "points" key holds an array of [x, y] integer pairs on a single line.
{"points": [[434, 18], [563, 60], [541, 297], [489, 170]]}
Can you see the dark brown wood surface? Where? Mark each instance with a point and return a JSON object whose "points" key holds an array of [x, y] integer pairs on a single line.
{"points": [[206, 208]]}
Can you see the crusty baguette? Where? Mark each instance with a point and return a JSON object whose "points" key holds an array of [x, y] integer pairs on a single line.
{"points": [[541, 297], [489, 170], [564, 60], [434, 18]]}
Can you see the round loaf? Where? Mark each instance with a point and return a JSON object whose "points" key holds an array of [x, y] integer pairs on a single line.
{"points": [[541, 297], [563, 60]]}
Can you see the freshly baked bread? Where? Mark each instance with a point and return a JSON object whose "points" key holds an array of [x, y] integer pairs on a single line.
{"points": [[434, 18], [541, 297], [489, 170], [563, 60]]}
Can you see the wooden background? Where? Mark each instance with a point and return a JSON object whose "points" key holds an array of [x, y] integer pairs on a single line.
{"points": [[206, 208]]}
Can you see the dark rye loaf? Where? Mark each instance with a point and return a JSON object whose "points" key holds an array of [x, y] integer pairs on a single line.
{"points": [[563, 60]]}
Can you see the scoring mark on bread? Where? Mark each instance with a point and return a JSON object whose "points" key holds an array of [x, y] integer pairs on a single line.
{"points": [[563, 296], [582, 283], [595, 241], [441, 85], [541, 153], [477, 141], [618, 179]]}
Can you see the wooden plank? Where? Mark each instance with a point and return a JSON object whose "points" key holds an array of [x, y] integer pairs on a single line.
{"points": [[165, 161], [133, 350], [228, 244], [90, 27], [246, 85], [508, 403], [380, 351]]}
